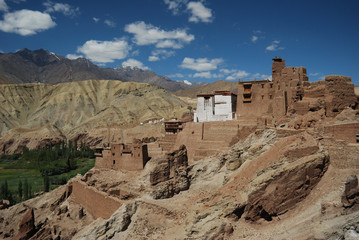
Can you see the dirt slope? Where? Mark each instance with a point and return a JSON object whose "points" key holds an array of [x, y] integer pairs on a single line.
{"points": [[275, 184], [68, 109]]}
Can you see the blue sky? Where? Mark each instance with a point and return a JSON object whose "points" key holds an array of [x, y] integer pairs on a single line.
{"points": [[191, 40]]}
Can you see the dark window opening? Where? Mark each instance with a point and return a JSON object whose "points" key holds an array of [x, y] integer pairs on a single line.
{"points": [[270, 97], [114, 161], [357, 136], [262, 85], [262, 97]]}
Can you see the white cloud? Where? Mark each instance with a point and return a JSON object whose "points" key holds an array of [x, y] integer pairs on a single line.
{"points": [[201, 64], [153, 58], [175, 5], [199, 12], [234, 74], [254, 39], [207, 74], [262, 76], [159, 54], [73, 56], [26, 22], [3, 6], [146, 34], [63, 8], [274, 46], [176, 75], [105, 51], [134, 63], [110, 23], [96, 19]]}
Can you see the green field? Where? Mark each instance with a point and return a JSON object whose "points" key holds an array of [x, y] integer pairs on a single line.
{"points": [[58, 164]]}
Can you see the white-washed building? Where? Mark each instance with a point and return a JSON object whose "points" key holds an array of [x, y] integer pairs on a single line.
{"points": [[218, 106]]}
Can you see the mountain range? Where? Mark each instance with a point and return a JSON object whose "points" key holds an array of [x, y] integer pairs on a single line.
{"points": [[26, 66]]}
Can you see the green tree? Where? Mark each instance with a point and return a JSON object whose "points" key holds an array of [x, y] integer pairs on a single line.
{"points": [[26, 189], [30, 191], [19, 189], [46, 183]]}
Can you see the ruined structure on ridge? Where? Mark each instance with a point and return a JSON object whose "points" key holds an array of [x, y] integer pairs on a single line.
{"points": [[290, 92], [217, 106], [272, 99], [130, 157]]}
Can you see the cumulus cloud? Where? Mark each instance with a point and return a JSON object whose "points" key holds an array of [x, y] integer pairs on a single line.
{"points": [[26, 22], [274, 46], [262, 76], [234, 74], [73, 56], [207, 74], [3, 6], [63, 8], [199, 13], [153, 58], [105, 51], [175, 5], [134, 63], [254, 39], [147, 34], [176, 75], [110, 23], [201, 64], [159, 54], [96, 19]]}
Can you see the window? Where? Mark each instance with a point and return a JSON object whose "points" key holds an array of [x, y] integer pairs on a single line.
{"points": [[262, 85], [114, 161], [357, 136], [271, 85], [262, 97], [270, 97]]}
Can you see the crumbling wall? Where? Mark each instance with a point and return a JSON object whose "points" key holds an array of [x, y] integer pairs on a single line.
{"points": [[346, 132], [99, 204], [340, 94]]}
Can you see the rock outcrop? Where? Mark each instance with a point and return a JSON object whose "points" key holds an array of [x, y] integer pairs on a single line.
{"points": [[26, 226], [351, 192], [170, 176], [283, 191]]}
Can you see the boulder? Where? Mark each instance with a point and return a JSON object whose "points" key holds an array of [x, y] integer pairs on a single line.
{"points": [[351, 192], [170, 176], [283, 191], [26, 226]]}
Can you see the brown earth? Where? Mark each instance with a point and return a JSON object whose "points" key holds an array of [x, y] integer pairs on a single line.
{"points": [[274, 184], [35, 114]]}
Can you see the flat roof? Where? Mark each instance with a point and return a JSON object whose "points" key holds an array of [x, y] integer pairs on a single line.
{"points": [[255, 81]]}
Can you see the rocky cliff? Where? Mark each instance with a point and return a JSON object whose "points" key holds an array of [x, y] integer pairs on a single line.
{"points": [[274, 184]]}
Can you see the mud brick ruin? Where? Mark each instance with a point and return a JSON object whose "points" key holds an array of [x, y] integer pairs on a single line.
{"points": [[129, 157], [222, 118]]}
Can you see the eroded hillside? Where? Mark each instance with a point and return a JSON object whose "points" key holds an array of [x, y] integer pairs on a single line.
{"points": [[42, 111], [274, 184]]}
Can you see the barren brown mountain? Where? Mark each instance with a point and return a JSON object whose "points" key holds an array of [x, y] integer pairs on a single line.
{"points": [[286, 167], [35, 114]]}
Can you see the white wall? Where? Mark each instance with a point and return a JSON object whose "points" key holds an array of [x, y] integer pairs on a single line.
{"points": [[218, 108]]}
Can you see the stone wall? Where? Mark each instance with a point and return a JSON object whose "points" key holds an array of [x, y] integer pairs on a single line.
{"points": [[98, 203], [345, 132], [205, 139], [340, 94], [130, 157]]}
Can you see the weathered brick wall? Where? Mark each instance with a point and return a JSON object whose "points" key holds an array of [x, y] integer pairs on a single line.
{"points": [[346, 132], [99, 204]]}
